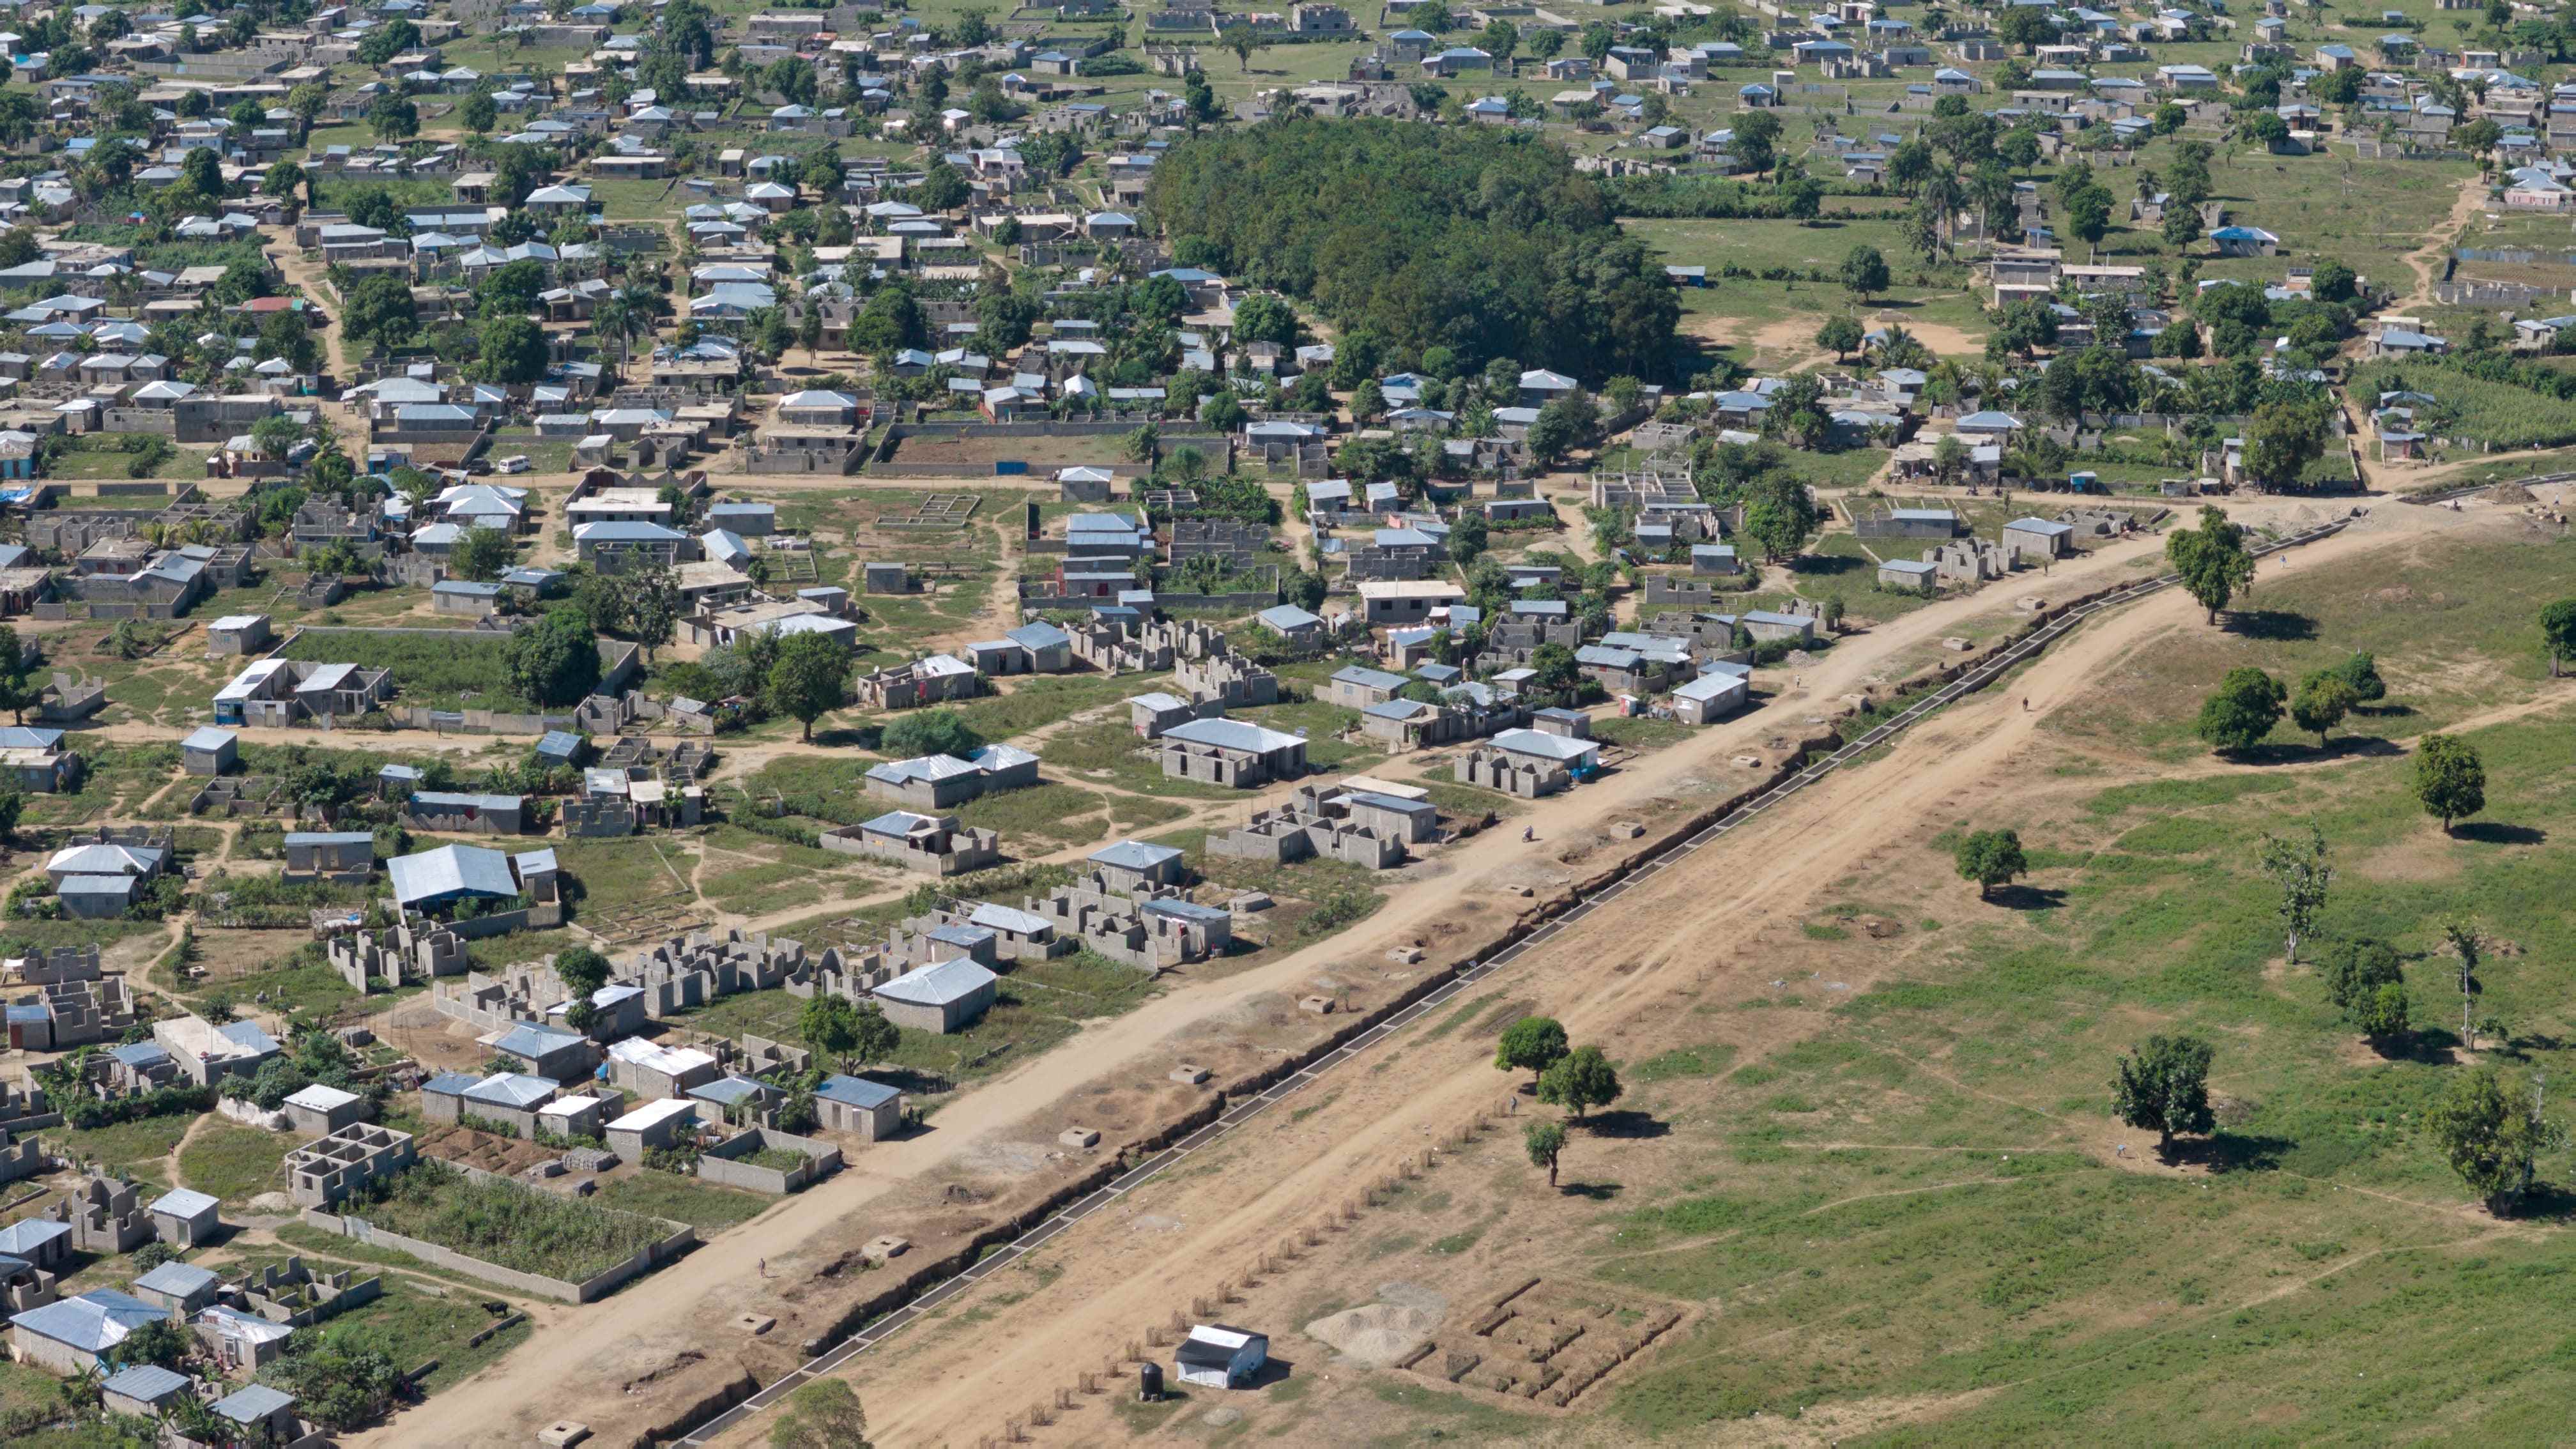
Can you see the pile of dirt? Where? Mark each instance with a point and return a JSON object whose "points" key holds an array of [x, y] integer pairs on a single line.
{"points": [[1374, 1334], [2509, 493]]}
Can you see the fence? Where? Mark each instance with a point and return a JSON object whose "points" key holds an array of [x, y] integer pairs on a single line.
{"points": [[589, 1290], [981, 1260]]}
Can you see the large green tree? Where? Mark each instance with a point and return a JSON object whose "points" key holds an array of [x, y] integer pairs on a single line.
{"points": [[2163, 1086], [2242, 712], [824, 1414], [2558, 632], [2491, 1131], [1531, 1044], [809, 680], [1582, 1078], [555, 661], [2324, 698], [2211, 560], [2450, 779], [1990, 858]]}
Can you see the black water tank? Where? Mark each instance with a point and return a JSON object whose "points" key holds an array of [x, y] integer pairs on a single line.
{"points": [[1149, 1383]]}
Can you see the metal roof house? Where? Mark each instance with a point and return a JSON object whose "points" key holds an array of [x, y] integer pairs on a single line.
{"points": [[72, 1335], [942, 997], [1132, 863], [1231, 752]]}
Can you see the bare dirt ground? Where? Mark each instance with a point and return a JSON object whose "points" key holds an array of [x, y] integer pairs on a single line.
{"points": [[651, 1350]]}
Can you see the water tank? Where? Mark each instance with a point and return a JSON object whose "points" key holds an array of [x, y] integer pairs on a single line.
{"points": [[1149, 1383]]}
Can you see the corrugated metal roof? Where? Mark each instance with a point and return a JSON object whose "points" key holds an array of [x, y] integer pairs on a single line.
{"points": [[450, 870], [939, 984]]}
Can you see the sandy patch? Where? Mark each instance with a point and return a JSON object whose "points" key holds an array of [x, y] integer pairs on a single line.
{"points": [[1378, 1334]]}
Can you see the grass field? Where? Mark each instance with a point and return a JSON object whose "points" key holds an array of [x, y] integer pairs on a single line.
{"points": [[234, 1162], [2447, 646], [460, 670]]}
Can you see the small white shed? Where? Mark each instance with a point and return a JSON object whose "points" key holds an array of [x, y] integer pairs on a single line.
{"points": [[1217, 1357]]}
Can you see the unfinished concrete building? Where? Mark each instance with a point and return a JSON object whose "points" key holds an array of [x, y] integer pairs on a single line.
{"points": [[1523, 777], [1142, 645], [1229, 681], [323, 1172], [934, 845], [699, 968], [1151, 930], [46, 965], [1968, 561], [413, 951], [295, 1295], [105, 1216], [933, 680]]}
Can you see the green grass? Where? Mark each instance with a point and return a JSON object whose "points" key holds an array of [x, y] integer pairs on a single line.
{"points": [[2454, 628], [1045, 815], [706, 1206], [234, 1162], [462, 669], [139, 1147]]}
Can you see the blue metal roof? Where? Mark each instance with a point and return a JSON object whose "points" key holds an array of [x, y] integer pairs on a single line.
{"points": [[856, 1091]]}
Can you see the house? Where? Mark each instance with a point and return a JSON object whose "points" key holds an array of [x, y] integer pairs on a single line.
{"points": [[185, 1218], [1217, 1357], [1721, 691], [1231, 752], [1131, 866], [2037, 538], [869, 1111], [72, 1336], [145, 1390], [182, 1288], [1406, 601], [1911, 576], [318, 1110], [210, 751], [205, 1052], [942, 997], [1292, 623], [651, 1126]]}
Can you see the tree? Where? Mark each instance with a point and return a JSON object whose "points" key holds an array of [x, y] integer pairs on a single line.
{"points": [[1368, 401], [874, 1038], [387, 41], [2385, 1014], [2299, 868], [929, 732], [2026, 27], [2244, 709], [2285, 437], [1264, 318], [478, 114], [1864, 272], [808, 680], [204, 177], [2355, 969], [1531, 1044], [393, 119], [160, 1341], [823, 1414], [1776, 528], [2266, 129], [2361, 671], [2491, 1132], [2088, 212], [1840, 333], [2558, 632], [379, 310], [2182, 227], [1545, 1142], [583, 970], [2164, 1084], [555, 661], [511, 350], [513, 289], [1991, 858], [2450, 780], [2211, 559], [2333, 282], [337, 1381], [1581, 1078], [829, 1024], [18, 686], [1243, 40], [1467, 538], [2321, 703], [2461, 940], [481, 554], [1554, 431]]}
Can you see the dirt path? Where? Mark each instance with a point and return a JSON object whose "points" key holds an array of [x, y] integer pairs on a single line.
{"points": [[1613, 969], [305, 278], [2425, 261]]}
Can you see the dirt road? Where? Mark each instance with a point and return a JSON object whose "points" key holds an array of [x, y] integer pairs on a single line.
{"points": [[680, 1310]]}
